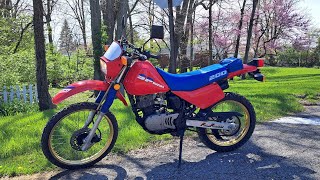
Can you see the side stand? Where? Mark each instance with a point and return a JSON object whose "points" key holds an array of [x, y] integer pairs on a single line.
{"points": [[180, 148]]}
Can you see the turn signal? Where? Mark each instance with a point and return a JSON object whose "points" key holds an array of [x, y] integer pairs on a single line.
{"points": [[116, 87], [124, 61], [106, 47]]}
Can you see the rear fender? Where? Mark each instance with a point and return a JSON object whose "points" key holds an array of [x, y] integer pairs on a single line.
{"points": [[82, 86], [246, 69]]}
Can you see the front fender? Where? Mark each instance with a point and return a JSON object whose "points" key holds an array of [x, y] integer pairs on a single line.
{"points": [[82, 86]]}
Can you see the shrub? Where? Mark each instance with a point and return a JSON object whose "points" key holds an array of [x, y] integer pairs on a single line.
{"points": [[17, 107]]}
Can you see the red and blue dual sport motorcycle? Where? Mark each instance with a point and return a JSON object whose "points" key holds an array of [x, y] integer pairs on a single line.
{"points": [[82, 134]]}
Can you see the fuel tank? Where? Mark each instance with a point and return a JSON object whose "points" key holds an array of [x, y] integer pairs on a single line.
{"points": [[143, 79]]}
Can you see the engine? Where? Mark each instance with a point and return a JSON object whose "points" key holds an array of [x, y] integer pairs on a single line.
{"points": [[155, 116]]}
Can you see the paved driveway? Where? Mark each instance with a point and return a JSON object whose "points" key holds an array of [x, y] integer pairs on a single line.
{"points": [[282, 149]]}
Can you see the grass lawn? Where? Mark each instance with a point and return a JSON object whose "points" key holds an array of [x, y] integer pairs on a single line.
{"points": [[20, 151]]}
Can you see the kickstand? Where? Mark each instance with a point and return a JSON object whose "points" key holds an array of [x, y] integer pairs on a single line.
{"points": [[180, 149]]}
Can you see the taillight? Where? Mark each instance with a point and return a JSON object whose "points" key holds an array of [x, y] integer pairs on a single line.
{"points": [[103, 66], [257, 62], [260, 62]]}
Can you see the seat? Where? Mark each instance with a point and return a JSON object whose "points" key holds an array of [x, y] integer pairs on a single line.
{"points": [[232, 64], [194, 80]]}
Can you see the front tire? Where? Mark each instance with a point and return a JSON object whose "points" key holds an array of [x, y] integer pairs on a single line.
{"points": [[64, 130], [221, 141]]}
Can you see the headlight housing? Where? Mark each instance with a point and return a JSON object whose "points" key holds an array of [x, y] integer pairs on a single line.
{"points": [[103, 66]]}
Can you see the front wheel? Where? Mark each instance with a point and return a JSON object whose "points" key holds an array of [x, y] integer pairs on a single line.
{"points": [[225, 141], [63, 137]]}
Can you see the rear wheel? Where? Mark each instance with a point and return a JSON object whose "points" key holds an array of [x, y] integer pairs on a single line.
{"points": [[224, 141], [63, 137]]}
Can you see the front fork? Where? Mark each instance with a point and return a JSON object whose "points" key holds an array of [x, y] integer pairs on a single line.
{"points": [[109, 97], [105, 100]]}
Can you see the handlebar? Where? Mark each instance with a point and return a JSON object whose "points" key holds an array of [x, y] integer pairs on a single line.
{"points": [[149, 55], [141, 55]]}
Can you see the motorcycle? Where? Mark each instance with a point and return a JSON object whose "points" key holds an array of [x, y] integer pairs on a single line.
{"points": [[82, 134]]}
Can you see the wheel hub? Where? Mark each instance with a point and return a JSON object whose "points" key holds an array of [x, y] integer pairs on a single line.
{"points": [[233, 128], [78, 137]]}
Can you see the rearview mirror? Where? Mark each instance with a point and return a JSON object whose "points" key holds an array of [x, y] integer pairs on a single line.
{"points": [[157, 32]]}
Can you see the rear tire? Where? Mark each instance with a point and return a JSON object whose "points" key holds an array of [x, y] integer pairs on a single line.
{"points": [[215, 140], [60, 159]]}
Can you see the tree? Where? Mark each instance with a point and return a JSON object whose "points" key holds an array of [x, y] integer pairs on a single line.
{"points": [[113, 11], [66, 42], [249, 35], [77, 7], [185, 36], [279, 20], [5, 8], [47, 14], [96, 37], [316, 53], [41, 70], [173, 59], [130, 13], [239, 29]]}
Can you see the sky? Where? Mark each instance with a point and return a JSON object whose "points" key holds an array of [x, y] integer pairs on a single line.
{"points": [[313, 9], [311, 6]]}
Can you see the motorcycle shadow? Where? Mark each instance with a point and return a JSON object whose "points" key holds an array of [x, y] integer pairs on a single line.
{"points": [[115, 171], [274, 152], [246, 163]]}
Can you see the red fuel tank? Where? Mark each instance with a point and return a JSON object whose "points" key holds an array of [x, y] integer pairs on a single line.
{"points": [[143, 79]]}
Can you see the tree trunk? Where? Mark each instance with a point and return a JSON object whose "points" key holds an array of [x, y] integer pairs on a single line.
{"points": [[122, 12], [44, 97], [84, 37], [249, 35], [50, 38], [131, 28], [173, 60], [108, 11], [96, 37], [49, 28], [185, 38], [239, 29], [210, 34], [130, 11], [83, 26], [191, 40]]}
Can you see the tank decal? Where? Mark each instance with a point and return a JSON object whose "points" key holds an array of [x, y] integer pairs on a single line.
{"points": [[143, 79]]}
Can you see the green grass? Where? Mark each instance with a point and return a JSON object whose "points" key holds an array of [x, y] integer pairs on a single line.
{"points": [[20, 151], [277, 96]]}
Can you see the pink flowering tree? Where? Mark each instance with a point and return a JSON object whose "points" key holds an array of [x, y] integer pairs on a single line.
{"points": [[277, 23]]}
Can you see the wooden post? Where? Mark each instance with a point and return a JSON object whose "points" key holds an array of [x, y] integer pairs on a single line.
{"points": [[36, 93], [5, 94], [30, 94], [18, 93], [11, 93], [24, 91]]}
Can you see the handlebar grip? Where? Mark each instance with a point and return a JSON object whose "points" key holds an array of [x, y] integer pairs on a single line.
{"points": [[149, 55], [154, 57]]}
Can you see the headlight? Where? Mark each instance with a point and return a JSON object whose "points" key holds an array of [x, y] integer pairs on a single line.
{"points": [[103, 66]]}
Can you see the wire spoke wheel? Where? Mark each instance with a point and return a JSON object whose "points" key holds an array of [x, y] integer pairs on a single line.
{"points": [[228, 138], [243, 126], [64, 134]]}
